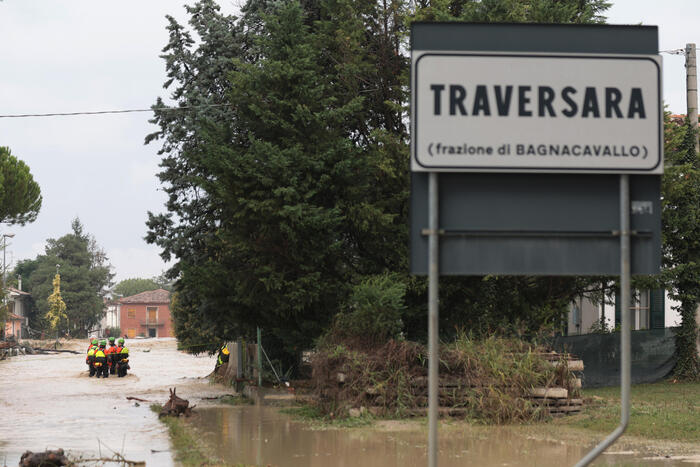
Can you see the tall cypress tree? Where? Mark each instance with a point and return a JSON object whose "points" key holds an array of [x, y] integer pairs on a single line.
{"points": [[296, 187]]}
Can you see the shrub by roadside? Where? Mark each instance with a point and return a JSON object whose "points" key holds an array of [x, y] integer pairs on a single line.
{"points": [[487, 380]]}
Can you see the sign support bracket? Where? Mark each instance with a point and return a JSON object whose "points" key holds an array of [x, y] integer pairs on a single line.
{"points": [[625, 333]]}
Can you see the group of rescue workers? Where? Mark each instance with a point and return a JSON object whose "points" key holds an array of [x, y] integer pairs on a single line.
{"points": [[103, 360]]}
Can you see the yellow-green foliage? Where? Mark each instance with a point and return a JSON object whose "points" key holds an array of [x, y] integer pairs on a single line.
{"points": [[57, 308]]}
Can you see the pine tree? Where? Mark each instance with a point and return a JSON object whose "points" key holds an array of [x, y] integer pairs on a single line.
{"points": [[20, 195]]}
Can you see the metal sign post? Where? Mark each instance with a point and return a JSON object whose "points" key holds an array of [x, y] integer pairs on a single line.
{"points": [[625, 333], [433, 341]]}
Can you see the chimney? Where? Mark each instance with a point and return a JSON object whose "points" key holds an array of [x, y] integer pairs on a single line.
{"points": [[19, 282]]}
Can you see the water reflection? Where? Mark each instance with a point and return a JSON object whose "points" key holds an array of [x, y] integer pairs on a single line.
{"points": [[263, 436]]}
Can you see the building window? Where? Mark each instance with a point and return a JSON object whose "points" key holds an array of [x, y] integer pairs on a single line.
{"points": [[131, 312], [576, 317], [640, 309], [152, 314]]}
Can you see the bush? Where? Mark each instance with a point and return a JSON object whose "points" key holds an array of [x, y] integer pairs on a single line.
{"points": [[486, 379], [372, 314]]}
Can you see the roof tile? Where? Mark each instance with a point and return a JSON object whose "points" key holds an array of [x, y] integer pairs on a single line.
{"points": [[150, 296]]}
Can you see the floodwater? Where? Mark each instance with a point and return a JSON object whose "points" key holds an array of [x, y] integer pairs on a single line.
{"points": [[49, 402], [258, 435]]}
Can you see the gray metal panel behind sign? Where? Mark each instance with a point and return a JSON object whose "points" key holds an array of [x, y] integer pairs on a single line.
{"points": [[553, 38], [535, 224]]}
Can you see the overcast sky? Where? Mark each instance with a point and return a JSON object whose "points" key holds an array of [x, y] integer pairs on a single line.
{"points": [[87, 55]]}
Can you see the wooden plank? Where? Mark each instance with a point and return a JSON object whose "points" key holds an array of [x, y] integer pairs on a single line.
{"points": [[550, 393], [565, 409], [575, 365]]}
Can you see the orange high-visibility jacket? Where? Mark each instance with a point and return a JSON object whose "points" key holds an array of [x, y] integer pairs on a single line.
{"points": [[111, 350]]}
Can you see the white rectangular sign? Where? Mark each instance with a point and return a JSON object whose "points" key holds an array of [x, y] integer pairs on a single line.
{"points": [[492, 112]]}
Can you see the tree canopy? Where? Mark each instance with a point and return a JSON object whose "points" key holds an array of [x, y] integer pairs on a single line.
{"points": [[84, 278], [20, 195], [288, 198], [681, 239], [133, 286]]}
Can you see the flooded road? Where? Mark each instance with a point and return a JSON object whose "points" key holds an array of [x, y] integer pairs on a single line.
{"points": [[256, 435], [49, 402]]}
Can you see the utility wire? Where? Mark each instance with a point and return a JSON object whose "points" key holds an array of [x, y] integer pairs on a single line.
{"points": [[102, 112], [185, 107]]}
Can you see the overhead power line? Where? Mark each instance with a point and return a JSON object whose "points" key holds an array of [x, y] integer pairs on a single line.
{"points": [[102, 112]]}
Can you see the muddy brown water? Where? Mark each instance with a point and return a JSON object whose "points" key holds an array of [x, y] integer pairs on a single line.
{"points": [[49, 402], [258, 435]]}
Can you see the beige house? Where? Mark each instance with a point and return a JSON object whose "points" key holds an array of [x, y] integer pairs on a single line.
{"points": [[16, 322]]}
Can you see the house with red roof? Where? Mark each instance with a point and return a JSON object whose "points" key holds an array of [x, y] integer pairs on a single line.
{"points": [[146, 314]]}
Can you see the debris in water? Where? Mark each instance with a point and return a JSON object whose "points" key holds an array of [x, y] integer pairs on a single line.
{"points": [[132, 398], [44, 459], [176, 406]]}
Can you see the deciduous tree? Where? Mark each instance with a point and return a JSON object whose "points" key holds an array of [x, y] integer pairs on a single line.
{"points": [[133, 286], [56, 313]]}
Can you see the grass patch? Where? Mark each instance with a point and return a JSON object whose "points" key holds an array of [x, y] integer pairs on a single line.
{"points": [[314, 416], [663, 410]]}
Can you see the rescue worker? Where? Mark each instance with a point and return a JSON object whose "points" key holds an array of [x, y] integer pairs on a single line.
{"points": [[90, 359], [223, 356], [93, 344], [117, 353], [111, 354], [122, 359], [101, 360]]}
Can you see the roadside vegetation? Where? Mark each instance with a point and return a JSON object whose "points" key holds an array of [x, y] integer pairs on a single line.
{"points": [[486, 380], [666, 410]]}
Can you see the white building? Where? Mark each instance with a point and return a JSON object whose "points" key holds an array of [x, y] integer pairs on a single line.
{"points": [[651, 309], [109, 320]]}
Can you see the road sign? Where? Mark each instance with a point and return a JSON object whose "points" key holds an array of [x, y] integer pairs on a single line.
{"points": [[476, 111], [501, 110], [534, 98]]}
